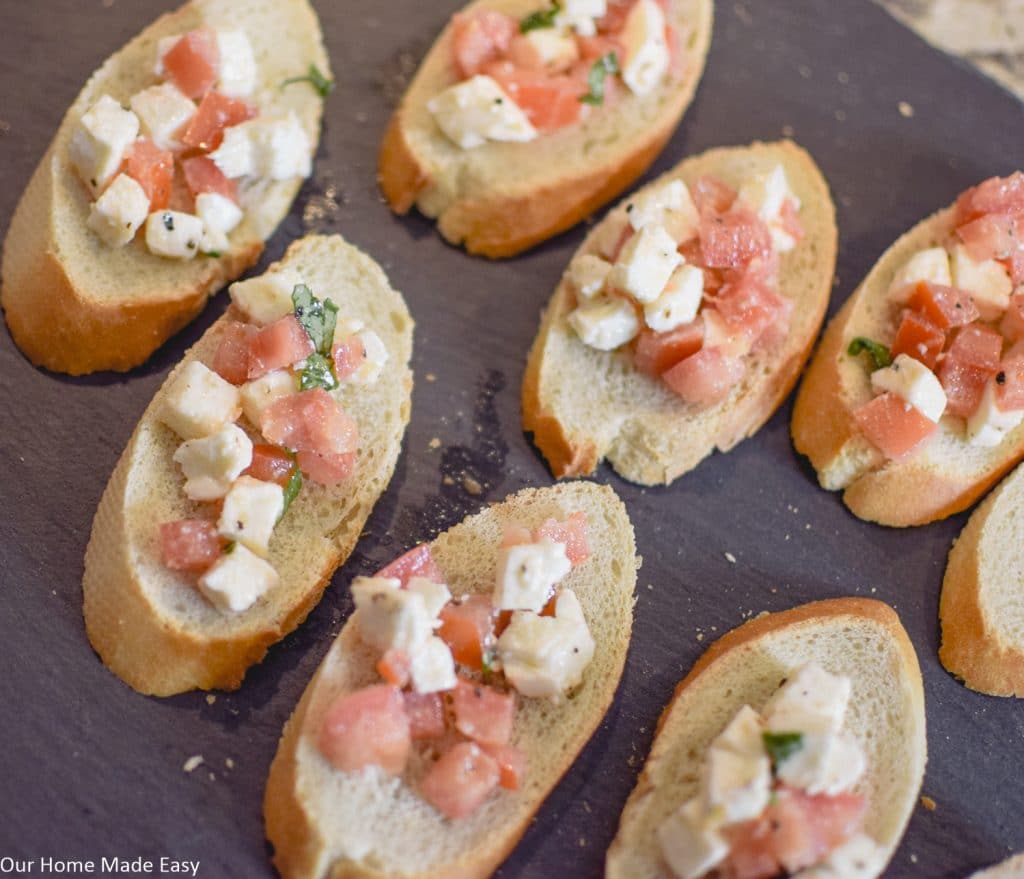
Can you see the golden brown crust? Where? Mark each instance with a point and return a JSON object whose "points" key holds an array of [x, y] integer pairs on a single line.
{"points": [[399, 173]]}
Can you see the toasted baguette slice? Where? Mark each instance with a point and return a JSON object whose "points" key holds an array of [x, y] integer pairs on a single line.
{"points": [[1011, 868], [149, 624], [323, 822], [981, 609], [859, 638], [583, 405], [942, 478], [502, 198], [76, 305]]}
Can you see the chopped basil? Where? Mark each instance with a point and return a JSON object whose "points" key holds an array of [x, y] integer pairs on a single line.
{"points": [[487, 663], [315, 78], [230, 548], [878, 352], [602, 67], [540, 19], [782, 746], [318, 318], [318, 373], [213, 254], [291, 490]]}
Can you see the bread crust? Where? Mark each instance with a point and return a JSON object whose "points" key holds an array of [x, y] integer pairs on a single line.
{"points": [[502, 219]]}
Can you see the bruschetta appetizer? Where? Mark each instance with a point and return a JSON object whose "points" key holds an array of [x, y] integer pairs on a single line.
{"points": [[471, 674], [528, 115], [685, 317], [178, 159], [251, 474], [913, 403], [795, 747]]}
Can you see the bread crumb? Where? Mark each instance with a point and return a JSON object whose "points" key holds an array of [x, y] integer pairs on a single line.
{"points": [[430, 377], [788, 131], [193, 763], [700, 636], [928, 803], [447, 480], [844, 78], [435, 443], [730, 558], [583, 842], [229, 763], [472, 486], [212, 777], [805, 71], [913, 858], [840, 115], [906, 110], [210, 698]]}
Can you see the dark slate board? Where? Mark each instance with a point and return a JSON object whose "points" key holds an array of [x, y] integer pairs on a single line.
{"points": [[89, 768]]}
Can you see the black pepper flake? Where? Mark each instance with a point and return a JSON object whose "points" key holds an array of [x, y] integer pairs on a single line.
{"points": [[191, 245], [241, 527], [499, 100], [1000, 378], [168, 222]]}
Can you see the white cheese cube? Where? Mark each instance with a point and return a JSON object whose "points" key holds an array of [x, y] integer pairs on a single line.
{"points": [[173, 234], [766, 194], [163, 46], [690, 849], [645, 264], [100, 140], [647, 56], [913, 382], [237, 155], [267, 297], [824, 763], [237, 579], [605, 323], [163, 111], [259, 395], [930, 265], [284, 149], [251, 510], [988, 424], [581, 15], [390, 617], [587, 273], [988, 282], [432, 668], [218, 212], [238, 74], [435, 595], [374, 360], [652, 205], [679, 302], [811, 700], [527, 573], [736, 786], [743, 735], [214, 242], [478, 110], [120, 211], [212, 463], [198, 402]]}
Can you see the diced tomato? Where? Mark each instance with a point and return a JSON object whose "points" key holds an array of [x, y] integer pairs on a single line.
{"points": [[479, 38], [483, 713], [189, 544], [750, 306], [511, 765], [279, 345], [231, 359], [271, 464], [310, 421], [465, 627], [712, 196], [216, 112], [732, 239], [572, 532], [153, 169], [705, 377], [1010, 380], [348, 355], [919, 338], [895, 427], [997, 195], [550, 102], [417, 562], [326, 469], [945, 307], [193, 63], [594, 48], [657, 352], [202, 175], [977, 345], [778, 330], [426, 715], [993, 236], [516, 535], [394, 666], [615, 16], [970, 362], [458, 783], [367, 728], [789, 219]]}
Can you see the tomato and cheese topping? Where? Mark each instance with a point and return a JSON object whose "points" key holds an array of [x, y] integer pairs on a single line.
{"points": [[517, 79], [777, 793], [953, 354], [203, 118], [454, 668], [264, 416], [689, 280]]}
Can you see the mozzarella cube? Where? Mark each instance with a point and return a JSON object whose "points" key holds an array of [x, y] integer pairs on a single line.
{"points": [[435, 595], [163, 111], [667, 205], [163, 46], [605, 323], [647, 56], [237, 580], [679, 302], [587, 273], [236, 155], [218, 212], [914, 383], [825, 763], [743, 735], [266, 298], [581, 15], [259, 395], [100, 140], [265, 147], [389, 617], [690, 849], [766, 194], [930, 265], [548, 48], [718, 334], [251, 510], [198, 402], [988, 424], [238, 74], [173, 234], [478, 110], [811, 700], [212, 463], [645, 264], [736, 786], [120, 211], [432, 668], [214, 242], [527, 573], [374, 359], [988, 282]]}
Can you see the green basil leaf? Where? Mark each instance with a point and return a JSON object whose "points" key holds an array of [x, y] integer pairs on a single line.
{"points": [[877, 351], [605, 65], [782, 746], [291, 490], [318, 373], [318, 318], [540, 19], [322, 85]]}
